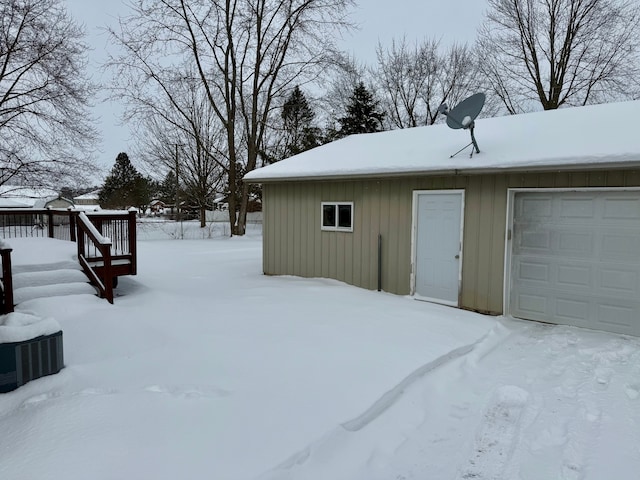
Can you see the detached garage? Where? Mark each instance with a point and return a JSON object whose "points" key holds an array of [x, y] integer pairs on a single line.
{"points": [[543, 224]]}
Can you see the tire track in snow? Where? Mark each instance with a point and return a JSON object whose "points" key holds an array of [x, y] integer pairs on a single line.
{"points": [[495, 336], [391, 397], [378, 408], [568, 376], [533, 401], [497, 435]]}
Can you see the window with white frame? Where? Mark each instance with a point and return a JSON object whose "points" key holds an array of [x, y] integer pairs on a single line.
{"points": [[337, 216]]}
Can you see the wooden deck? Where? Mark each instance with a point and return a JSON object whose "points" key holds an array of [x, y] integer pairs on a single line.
{"points": [[105, 244]]}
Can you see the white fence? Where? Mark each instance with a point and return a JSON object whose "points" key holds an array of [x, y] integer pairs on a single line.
{"points": [[223, 216]]}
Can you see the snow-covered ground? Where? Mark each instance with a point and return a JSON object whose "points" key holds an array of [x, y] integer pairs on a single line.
{"points": [[205, 368]]}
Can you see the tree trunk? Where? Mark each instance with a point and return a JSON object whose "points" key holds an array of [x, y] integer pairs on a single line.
{"points": [[242, 215]]}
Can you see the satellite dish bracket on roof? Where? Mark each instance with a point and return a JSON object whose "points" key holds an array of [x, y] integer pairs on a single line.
{"points": [[463, 116], [473, 142]]}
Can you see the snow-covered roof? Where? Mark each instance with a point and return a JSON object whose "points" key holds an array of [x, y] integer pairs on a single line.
{"points": [[88, 196], [597, 136], [11, 203], [88, 208], [24, 196]]}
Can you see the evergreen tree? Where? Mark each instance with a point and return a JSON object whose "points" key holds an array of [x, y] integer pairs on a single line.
{"points": [[297, 118], [363, 115], [168, 188], [124, 186], [148, 189]]}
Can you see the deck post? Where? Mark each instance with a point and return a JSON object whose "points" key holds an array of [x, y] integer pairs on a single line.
{"points": [[79, 241], [50, 222], [108, 275], [7, 280], [72, 226], [132, 241]]}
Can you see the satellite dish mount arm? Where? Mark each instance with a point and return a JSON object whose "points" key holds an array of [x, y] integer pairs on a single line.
{"points": [[473, 142], [473, 138]]}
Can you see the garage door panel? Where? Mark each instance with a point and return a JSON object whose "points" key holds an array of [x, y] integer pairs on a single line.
{"points": [[575, 276], [532, 238], [534, 271], [554, 240], [551, 271], [573, 309], [618, 315], [534, 306], [619, 280], [575, 259], [580, 311], [539, 207], [620, 247], [621, 208], [579, 243], [572, 208]]}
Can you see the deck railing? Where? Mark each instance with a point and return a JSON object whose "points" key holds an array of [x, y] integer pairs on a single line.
{"points": [[106, 242], [32, 222], [121, 230], [94, 247]]}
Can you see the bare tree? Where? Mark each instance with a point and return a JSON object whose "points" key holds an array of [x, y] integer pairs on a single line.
{"points": [[415, 80], [187, 143], [245, 53], [46, 135], [560, 52]]}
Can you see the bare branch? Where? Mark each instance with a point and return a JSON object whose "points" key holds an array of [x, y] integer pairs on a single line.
{"points": [[47, 135], [561, 52]]}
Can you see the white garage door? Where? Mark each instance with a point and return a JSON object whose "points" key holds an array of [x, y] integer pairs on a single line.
{"points": [[575, 259]]}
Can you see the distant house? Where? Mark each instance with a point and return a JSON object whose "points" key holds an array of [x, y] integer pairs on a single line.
{"points": [[25, 198], [543, 224], [88, 202], [28, 197], [156, 207], [220, 203], [53, 202]]}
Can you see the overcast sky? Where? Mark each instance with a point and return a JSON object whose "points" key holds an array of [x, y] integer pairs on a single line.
{"points": [[378, 20]]}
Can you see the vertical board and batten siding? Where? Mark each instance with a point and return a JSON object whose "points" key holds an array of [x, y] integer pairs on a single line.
{"points": [[294, 244]]}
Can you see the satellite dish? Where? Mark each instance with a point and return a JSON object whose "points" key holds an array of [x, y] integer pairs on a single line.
{"points": [[463, 116]]}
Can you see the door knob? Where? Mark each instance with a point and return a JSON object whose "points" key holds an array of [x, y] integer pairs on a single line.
{"points": [[457, 256]]}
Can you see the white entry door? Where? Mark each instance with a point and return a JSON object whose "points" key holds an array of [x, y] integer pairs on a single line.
{"points": [[438, 245]]}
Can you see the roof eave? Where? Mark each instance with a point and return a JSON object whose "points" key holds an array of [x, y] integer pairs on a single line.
{"points": [[451, 172]]}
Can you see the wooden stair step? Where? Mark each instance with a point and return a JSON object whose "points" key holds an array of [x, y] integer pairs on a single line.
{"points": [[29, 293], [48, 277], [115, 263], [46, 267]]}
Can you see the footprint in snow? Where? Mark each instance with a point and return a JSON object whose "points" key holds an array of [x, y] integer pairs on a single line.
{"points": [[603, 376], [571, 471], [39, 399], [89, 392], [189, 392], [590, 412], [632, 391], [552, 436]]}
